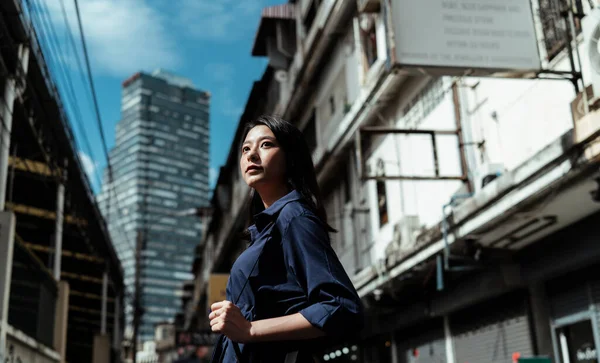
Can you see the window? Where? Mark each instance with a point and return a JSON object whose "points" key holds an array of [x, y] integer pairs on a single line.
{"points": [[347, 186], [381, 194], [368, 39], [420, 106], [576, 341], [554, 25], [332, 104]]}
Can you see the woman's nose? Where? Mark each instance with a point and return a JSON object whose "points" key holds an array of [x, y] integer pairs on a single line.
{"points": [[252, 155]]}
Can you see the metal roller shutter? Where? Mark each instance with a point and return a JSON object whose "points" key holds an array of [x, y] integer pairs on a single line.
{"points": [[496, 331], [422, 344]]}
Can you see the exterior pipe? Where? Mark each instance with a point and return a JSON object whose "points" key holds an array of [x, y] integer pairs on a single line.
{"points": [[445, 227], [445, 264]]}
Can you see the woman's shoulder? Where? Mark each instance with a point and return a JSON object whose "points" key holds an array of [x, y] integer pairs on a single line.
{"points": [[293, 211]]}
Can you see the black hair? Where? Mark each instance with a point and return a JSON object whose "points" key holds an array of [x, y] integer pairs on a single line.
{"points": [[299, 171]]}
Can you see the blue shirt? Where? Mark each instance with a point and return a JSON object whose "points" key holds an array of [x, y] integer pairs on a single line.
{"points": [[292, 269]]}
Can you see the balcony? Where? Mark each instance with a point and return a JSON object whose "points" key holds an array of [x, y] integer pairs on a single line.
{"points": [[33, 295]]}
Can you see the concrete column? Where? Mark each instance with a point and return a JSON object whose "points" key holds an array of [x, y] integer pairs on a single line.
{"points": [[7, 239], [540, 311], [117, 325], [61, 320], [448, 339], [394, 349], [104, 298], [6, 119], [58, 228], [101, 348]]}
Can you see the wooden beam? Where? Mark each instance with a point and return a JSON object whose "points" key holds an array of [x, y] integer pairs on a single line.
{"points": [[66, 253], [90, 296], [32, 166], [88, 311], [80, 277], [41, 264], [43, 213]]}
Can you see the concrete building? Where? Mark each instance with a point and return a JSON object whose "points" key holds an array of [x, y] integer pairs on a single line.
{"points": [[61, 282], [460, 166], [160, 170]]}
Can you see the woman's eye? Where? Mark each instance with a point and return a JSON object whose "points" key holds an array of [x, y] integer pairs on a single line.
{"points": [[245, 149], [267, 144]]}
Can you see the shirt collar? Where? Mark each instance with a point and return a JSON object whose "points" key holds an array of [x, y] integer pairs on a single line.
{"points": [[263, 218]]}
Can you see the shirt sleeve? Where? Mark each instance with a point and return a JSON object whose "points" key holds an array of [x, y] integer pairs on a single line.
{"points": [[334, 305]]}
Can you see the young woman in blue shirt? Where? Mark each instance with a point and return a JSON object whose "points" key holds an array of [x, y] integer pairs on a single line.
{"points": [[287, 292]]}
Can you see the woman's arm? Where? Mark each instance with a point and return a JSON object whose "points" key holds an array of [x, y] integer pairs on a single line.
{"points": [[290, 327], [334, 308], [227, 318]]}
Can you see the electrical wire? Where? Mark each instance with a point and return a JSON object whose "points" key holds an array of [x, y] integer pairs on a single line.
{"points": [[49, 51], [93, 89], [68, 84]]}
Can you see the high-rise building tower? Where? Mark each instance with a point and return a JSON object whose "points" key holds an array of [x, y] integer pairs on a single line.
{"points": [[160, 166]]}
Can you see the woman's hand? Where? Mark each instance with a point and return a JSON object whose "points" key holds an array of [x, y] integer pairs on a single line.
{"points": [[226, 318]]}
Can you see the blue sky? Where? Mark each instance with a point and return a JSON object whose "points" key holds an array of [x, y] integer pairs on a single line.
{"points": [[208, 41]]}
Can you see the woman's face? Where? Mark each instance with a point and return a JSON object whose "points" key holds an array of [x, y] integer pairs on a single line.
{"points": [[263, 161]]}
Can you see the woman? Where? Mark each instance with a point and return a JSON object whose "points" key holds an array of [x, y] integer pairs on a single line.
{"points": [[287, 291]]}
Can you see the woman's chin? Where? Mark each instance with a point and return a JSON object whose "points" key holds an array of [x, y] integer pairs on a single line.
{"points": [[254, 181]]}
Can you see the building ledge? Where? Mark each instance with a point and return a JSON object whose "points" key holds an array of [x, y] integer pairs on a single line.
{"points": [[542, 185], [32, 345], [266, 27]]}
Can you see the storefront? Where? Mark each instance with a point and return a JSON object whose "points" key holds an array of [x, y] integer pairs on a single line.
{"points": [[497, 330], [575, 321], [424, 343]]}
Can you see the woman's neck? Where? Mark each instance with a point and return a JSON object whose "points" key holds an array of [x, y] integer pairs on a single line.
{"points": [[272, 194]]}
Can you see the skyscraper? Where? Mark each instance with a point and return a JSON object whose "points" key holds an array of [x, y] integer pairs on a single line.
{"points": [[160, 167]]}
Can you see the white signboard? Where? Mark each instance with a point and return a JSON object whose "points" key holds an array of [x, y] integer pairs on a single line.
{"points": [[488, 34]]}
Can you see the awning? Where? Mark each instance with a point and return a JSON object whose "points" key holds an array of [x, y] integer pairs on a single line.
{"points": [[269, 16]]}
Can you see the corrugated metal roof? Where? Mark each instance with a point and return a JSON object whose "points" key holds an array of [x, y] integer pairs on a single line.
{"points": [[269, 16], [283, 11]]}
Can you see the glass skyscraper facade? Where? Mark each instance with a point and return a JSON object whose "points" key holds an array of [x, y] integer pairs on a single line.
{"points": [[160, 166]]}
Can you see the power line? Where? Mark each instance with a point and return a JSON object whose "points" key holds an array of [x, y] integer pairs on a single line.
{"points": [[74, 47], [67, 82], [93, 90], [94, 97], [49, 46]]}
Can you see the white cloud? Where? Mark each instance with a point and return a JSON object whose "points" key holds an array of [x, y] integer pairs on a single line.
{"points": [[122, 36], [89, 165], [219, 19], [227, 104]]}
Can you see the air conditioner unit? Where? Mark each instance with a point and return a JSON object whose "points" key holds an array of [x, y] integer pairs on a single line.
{"points": [[404, 238], [591, 35], [486, 173], [368, 6], [584, 128]]}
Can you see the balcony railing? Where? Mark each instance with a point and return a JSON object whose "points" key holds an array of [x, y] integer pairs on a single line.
{"points": [[33, 294]]}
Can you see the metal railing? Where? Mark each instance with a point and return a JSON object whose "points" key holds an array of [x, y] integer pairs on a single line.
{"points": [[33, 295]]}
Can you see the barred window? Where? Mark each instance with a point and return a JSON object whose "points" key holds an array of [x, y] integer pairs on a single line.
{"points": [[424, 103], [554, 25]]}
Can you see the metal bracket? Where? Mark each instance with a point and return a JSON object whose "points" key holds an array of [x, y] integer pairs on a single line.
{"points": [[390, 130]]}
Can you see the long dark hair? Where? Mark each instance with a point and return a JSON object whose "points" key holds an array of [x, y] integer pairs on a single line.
{"points": [[300, 170]]}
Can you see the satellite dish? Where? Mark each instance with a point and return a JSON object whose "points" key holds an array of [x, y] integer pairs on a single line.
{"points": [[281, 76]]}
